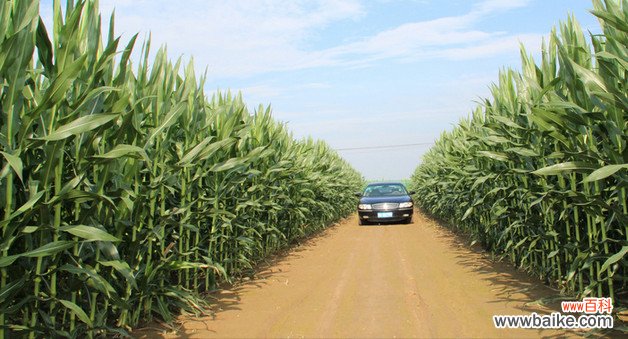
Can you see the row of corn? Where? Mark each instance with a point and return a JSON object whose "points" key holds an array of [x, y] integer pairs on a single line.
{"points": [[539, 172], [125, 191]]}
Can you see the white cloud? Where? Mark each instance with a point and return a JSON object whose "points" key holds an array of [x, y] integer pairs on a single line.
{"points": [[236, 37], [413, 39], [492, 47], [451, 37], [488, 6], [243, 38], [265, 92]]}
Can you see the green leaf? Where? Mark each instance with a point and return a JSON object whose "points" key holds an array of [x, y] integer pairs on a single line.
{"points": [[78, 126], [180, 265], [27, 17], [467, 213], [8, 290], [496, 139], [124, 150], [215, 146], [493, 155], [49, 249], [95, 280], [227, 165], [611, 57], [481, 180], [506, 121], [589, 77], [15, 162], [168, 121], [611, 17], [89, 233], [77, 310], [90, 97], [109, 250], [44, 46], [61, 84], [614, 258], [604, 172], [565, 167], [30, 229], [194, 152], [526, 152], [122, 268], [550, 117], [8, 260]]}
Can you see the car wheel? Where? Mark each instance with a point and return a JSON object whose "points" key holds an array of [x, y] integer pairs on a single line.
{"points": [[408, 221], [363, 222]]}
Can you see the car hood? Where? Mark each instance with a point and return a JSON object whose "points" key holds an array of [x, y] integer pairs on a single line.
{"points": [[376, 200]]}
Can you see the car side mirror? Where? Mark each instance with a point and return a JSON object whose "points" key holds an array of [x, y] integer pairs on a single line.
{"points": [[358, 194], [411, 192]]}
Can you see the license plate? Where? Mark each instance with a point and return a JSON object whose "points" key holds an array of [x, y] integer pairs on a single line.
{"points": [[384, 214]]}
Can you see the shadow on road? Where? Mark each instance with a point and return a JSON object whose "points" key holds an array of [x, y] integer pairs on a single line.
{"points": [[227, 296], [511, 285]]}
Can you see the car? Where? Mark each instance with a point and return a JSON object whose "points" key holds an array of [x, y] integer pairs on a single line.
{"points": [[385, 202]]}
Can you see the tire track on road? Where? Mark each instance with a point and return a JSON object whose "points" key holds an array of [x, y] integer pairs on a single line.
{"points": [[412, 280]]}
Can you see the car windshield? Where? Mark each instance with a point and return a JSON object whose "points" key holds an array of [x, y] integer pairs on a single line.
{"points": [[385, 190]]}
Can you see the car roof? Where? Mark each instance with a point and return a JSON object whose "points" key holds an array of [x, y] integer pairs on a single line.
{"points": [[386, 183]]}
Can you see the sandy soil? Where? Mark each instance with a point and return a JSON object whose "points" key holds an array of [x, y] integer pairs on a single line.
{"points": [[416, 280]]}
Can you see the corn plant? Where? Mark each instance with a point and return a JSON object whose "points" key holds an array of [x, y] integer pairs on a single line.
{"points": [[538, 173], [127, 191]]}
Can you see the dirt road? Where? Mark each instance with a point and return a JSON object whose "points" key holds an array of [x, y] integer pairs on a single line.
{"points": [[413, 280]]}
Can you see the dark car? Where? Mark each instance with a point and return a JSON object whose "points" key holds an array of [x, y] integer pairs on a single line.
{"points": [[385, 202]]}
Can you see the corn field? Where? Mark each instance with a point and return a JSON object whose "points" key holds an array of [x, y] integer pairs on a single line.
{"points": [[126, 191], [538, 173]]}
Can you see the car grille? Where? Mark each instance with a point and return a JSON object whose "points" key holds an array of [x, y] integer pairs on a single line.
{"points": [[386, 206]]}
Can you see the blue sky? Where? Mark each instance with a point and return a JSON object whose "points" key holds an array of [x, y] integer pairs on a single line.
{"points": [[356, 73]]}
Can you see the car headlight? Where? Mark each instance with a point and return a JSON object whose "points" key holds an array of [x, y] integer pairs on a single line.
{"points": [[364, 206], [405, 204]]}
